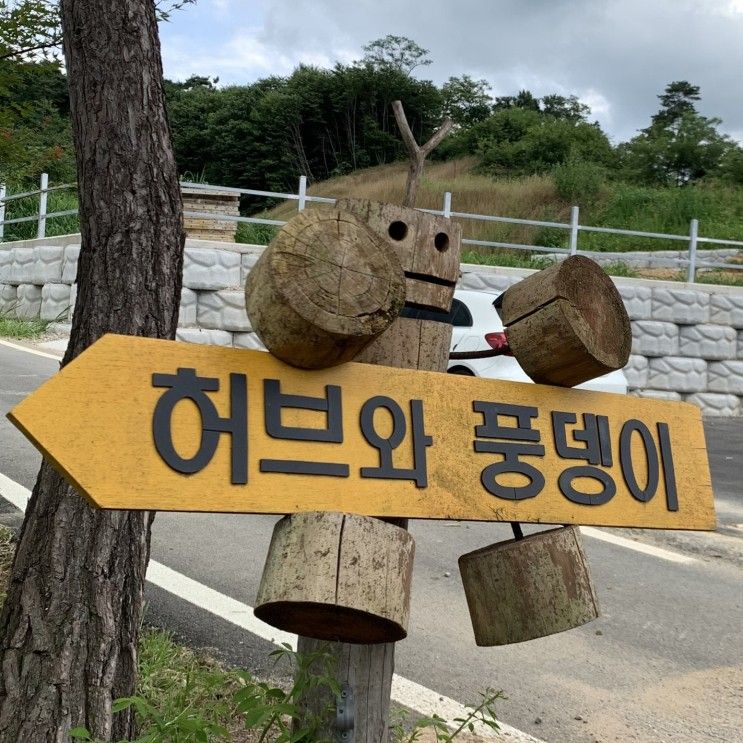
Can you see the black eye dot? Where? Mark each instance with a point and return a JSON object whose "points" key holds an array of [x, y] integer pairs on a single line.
{"points": [[398, 230], [441, 241]]}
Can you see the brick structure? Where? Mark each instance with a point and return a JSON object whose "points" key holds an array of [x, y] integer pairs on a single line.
{"points": [[210, 202]]}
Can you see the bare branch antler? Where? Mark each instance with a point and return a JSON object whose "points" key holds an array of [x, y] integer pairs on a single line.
{"points": [[416, 153]]}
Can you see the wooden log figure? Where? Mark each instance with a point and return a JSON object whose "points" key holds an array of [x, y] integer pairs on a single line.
{"points": [[329, 289]]}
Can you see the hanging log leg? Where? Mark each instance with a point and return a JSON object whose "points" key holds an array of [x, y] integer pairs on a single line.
{"points": [[527, 588]]}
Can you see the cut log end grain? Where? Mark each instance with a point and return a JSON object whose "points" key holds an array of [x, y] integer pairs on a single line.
{"points": [[325, 287], [567, 324]]}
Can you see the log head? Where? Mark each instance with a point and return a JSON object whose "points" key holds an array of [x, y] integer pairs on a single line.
{"points": [[428, 247], [325, 287], [567, 324], [522, 589]]}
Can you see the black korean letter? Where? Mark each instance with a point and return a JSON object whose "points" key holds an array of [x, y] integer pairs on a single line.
{"points": [[386, 469], [596, 450], [330, 432], [185, 385], [517, 446], [651, 459]]}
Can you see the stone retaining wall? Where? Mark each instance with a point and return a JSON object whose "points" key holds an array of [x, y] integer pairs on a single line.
{"points": [[653, 259], [687, 338]]}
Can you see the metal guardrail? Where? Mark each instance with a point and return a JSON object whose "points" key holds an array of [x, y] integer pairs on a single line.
{"points": [[574, 228]]}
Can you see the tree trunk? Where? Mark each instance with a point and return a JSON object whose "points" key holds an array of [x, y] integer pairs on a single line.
{"points": [[70, 623]]}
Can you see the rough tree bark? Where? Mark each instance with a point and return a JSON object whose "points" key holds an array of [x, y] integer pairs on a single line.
{"points": [[70, 623]]}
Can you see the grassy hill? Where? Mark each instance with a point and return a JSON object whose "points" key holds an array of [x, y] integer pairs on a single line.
{"points": [[718, 207]]}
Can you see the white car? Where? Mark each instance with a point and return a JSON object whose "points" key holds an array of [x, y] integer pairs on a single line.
{"points": [[477, 327]]}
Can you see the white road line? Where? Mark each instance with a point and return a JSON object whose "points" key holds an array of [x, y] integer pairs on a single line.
{"points": [[631, 544], [18, 347], [14, 493], [408, 693]]}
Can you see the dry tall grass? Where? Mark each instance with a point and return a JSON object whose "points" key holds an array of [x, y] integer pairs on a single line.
{"points": [[532, 197]]}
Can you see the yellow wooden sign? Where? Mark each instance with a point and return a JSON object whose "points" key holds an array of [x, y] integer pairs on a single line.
{"points": [[137, 423]]}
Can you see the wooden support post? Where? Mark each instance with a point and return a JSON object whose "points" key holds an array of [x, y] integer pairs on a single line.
{"points": [[416, 153], [428, 251], [431, 267]]}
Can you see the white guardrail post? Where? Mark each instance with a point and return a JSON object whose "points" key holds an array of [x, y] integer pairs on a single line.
{"points": [[302, 193], [693, 236], [41, 231], [2, 210], [574, 215], [447, 205]]}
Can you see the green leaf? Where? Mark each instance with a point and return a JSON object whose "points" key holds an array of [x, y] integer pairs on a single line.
{"points": [[256, 716], [80, 733], [122, 704]]}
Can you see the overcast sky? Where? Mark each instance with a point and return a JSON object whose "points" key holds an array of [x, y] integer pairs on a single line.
{"points": [[616, 55]]}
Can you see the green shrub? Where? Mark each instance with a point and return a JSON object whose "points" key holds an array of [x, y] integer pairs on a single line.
{"points": [[57, 201], [578, 181], [249, 233]]}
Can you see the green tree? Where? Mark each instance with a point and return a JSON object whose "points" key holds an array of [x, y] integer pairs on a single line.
{"points": [[731, 167], [33, 28], [523, 99], [318, 122], [565, 107], [677, 100], [680, 146], [465, 100], [546, 143], [399, 52], [35, 134], [29, 27]]}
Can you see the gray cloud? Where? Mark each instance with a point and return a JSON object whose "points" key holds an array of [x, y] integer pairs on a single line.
{"points": [[618, 55]]}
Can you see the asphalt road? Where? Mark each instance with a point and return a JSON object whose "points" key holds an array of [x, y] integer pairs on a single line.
{"points": [[664, 662]]}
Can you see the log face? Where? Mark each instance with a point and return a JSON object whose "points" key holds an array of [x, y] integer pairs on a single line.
{"points": [[567, 324], [523, 589], [334, 576], [427, 245], [324, 288]]}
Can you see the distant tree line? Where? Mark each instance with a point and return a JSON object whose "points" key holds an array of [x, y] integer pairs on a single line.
{"points": [[327, 122]]}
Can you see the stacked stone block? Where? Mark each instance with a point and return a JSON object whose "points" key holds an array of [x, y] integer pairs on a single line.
{"points": [[31, 282], [686, 344], [687, 339]]}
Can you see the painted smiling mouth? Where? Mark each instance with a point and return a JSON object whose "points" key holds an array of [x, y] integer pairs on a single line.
{"points": [[427, 279]]}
